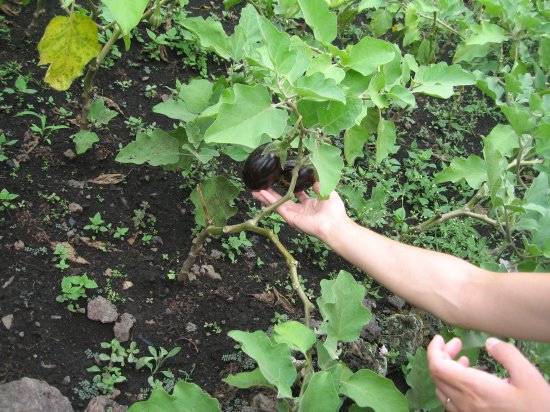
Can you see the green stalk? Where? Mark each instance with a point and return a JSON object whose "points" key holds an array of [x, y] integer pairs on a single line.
{"points": [[39, 11]]}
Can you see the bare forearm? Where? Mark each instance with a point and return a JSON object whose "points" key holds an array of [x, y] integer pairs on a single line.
{"points": [[450, 288]]}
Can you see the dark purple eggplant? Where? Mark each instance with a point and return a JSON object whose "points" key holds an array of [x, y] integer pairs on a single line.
{"points": [[306, 177], [261, 171]]}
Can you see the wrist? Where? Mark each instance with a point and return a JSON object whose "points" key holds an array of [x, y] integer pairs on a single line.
{"points": [[334, 232]]}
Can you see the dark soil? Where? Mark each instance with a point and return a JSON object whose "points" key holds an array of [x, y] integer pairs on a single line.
{"points": [[48, 342]]}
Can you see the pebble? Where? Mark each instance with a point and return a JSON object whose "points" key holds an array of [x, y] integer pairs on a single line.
{"points": [[21, 334], [66, 380], [396, 302], [75, 208], [19, 245], [75, 183], [55, 317], [191, 327], [7, 321], [37, 324], [69, 154]]}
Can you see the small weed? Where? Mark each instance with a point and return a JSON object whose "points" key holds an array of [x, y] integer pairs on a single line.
{"points": [[6, 200], [74, 288], [42, 129], [97, 225]]}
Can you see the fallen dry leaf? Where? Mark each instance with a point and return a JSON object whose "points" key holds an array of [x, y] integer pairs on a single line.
{"points": [[72, 256], [132, 239], [275, 298], [108, 179], [96, 244]]}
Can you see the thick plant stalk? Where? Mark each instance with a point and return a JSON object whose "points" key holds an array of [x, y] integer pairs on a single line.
{"points": [[39, 11]]}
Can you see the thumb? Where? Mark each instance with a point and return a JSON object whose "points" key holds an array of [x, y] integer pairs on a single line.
{"points": [[519, 368]]}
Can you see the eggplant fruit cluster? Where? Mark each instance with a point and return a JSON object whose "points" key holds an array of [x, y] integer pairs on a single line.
{"points": [[262, 171]]}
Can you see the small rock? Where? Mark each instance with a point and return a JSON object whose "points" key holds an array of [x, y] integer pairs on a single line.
{"points": [[210, 272], [66, 380], [7, 321], [250, 254], [215, 254], [75, 183], [69, 154], [75, 208], [72, 222], [396, 302], [19, 245], [123, 326], [273, 265], [157, 240], [264, 403], [55, 317], [127, 285], [371, 331], [104, 403], [37, 324], [102, 309], [196, 269], [32, 395], [190, 327], [369, 303], [12, 163], [168, 311], [21, 334], [108, 272]]}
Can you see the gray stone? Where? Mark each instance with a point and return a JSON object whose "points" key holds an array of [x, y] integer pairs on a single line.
{"points": [[66, 380], [402, 334], [215, 254], [75, 183], [75, 208], [191, 327], [7, 321], [364, 355], [264, 403], [19, 245], [104, 403], [102, 309], [396, 302], [123, 326], [33, 395], [69, 154], [372, 330]]}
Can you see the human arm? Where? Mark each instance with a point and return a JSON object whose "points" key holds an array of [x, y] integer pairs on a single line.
{"points": [[514, 305], [461, 388]]}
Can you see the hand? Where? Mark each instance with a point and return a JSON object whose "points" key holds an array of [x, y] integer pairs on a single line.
{"points": [[464, 389], [312, 216]]}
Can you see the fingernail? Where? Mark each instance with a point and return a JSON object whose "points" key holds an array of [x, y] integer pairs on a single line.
{"points": [[490, 342]]}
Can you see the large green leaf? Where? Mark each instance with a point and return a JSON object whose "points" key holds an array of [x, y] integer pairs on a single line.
{"points": [[210, 33], [336, 116], [295, 334], [385, 139], [519, 118], [175, 109], [328, 163], [218, 194], [421, 394], [321, 394], [245, 380], [354, 143], [503, 138], [274, 360], [323, 64], [369, 54], [196, 94], [440, 79], [249, 116], [485, 33], [318, 88], [157, 148], [127, 13], [186, 397], [473, 170], [318, 16], [341, 305], [368, 389], [68, 44], [84, 140]]}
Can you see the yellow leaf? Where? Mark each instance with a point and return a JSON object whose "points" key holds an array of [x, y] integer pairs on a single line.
{"points": [[68, 44]]}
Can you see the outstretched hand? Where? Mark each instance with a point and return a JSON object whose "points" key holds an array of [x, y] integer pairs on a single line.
{"points": [[311, 215], [464, 389]]}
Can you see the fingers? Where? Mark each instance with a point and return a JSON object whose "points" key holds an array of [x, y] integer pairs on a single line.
{"points": [[301, 196], [267, 197], [453, 347], [520, 369]]}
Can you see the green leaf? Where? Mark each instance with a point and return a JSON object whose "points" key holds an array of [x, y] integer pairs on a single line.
{"points": [[317, 16], [368, 389], [496, 166], [369, 54], [175, 109], [186, 397], [542, 136], [320, 394], [503, 138], [99, 114], [385, 140], [156, 148], [322, 63], [295, 334], [519, 119], [473, 170], [127, 13], [84, 140], [218, 194], [247, 118], [439, 79], [274, 361], [336, 116], [469, 53], [210, 33], [485, 33], [341, 306], [354, 143], [402, 94], [381, 22], [328, 164], [68, 44], [196, 95], [421, 394], [318, 88], [245, 380]]}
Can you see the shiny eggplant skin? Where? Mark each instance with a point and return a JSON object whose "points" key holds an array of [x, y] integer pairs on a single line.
{"points": [[261, 171], [306, 177]]}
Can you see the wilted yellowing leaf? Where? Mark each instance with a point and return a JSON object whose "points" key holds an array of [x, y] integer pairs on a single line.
{"points": [[68, 44]]}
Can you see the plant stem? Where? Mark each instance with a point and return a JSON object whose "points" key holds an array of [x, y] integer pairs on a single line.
{"points": [[39, 11]]}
